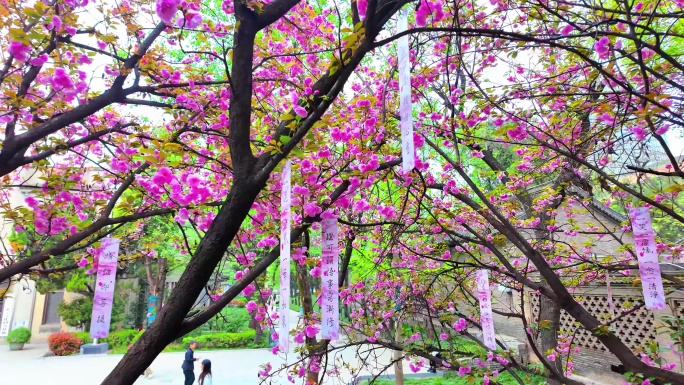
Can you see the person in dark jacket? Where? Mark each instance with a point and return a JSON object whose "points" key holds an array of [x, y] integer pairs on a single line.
{"points": [[189, 364]]}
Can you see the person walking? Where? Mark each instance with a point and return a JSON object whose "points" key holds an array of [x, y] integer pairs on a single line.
{"points": [[205, 374], [189, 364]]}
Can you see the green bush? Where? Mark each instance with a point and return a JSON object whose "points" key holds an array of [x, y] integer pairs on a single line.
{"points": [[222, 340], [118, 339], [83, 336], [230, 320], [121, 337], [19, 336], [206, 341]]}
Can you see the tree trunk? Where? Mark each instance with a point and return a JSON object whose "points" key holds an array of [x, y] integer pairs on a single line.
{"points": [[398, 356], [253, 323], [549, 322], [344, 269], [157, 281], [198, 271], [258, 334], [161, 281], [304, 284]]}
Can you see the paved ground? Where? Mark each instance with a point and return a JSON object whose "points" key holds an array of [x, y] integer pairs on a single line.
{"points": [[234, 367], [231, 367]]}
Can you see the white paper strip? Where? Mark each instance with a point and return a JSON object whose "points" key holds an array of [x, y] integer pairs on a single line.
{"points": [[486, 315], [284, 309], [330, 311], [7, 311], [647, 255], [103, 301], [403, 61]]}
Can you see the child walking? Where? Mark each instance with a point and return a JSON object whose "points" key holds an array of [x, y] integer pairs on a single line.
{"points": [[205, 375]]}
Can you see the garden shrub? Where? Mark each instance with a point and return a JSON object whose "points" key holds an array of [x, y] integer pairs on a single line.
{"points": [[84, 337], [230, 320], [64, 344], [19, 335], [118, 339], [222, 340]]}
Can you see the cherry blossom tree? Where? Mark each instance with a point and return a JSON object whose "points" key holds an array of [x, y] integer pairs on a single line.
{"points": [[114, 113], [573, 118]]}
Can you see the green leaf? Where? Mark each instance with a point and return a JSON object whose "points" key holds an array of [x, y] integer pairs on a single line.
{"points": [[18, 34], [150, 159], [285, 139]]}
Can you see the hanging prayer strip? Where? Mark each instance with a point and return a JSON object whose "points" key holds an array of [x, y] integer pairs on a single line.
{"points": [[404, 63], [104, 288], [284, 309], [486, 315], [330, 312], [647, 255]]}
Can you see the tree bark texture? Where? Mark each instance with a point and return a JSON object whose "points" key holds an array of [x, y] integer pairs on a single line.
{"points": [[549, 317], [398, 355], [304, 283]]}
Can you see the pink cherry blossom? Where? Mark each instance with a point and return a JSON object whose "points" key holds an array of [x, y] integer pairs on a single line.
{"points": [[602, 47], [166, 10], [460, 325], [663, 129], [311, 331], [61, 80], [362, 5], [19, 50], [301, 111], [517, 134], [248, 290], [163, 176], [56, 23], [190, 20], [40, 60], [639, 133]]}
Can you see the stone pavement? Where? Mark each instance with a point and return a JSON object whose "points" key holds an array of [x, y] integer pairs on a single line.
{"points": [[230, 367]]}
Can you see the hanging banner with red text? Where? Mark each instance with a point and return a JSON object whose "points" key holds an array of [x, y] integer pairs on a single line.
{"points": [[330, 303], [104, 288], [486, 315], [647, 255], [405, 108], [609, 295], [284, 309]]}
